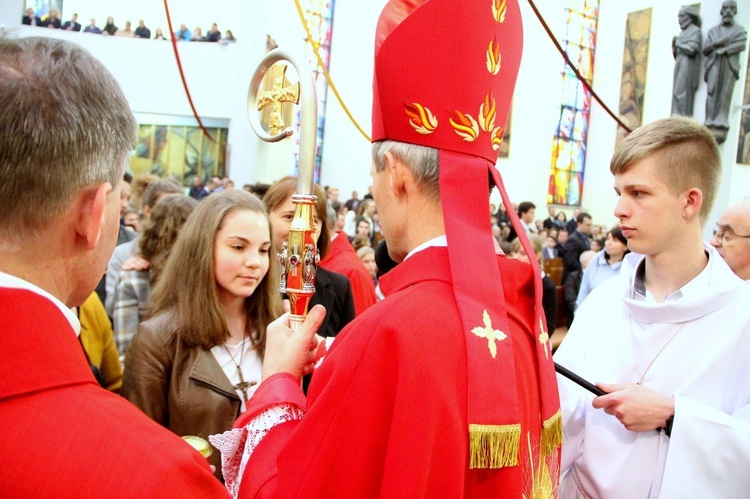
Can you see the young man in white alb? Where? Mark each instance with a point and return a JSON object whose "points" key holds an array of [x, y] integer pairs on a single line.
{"points": [[667, 339]]}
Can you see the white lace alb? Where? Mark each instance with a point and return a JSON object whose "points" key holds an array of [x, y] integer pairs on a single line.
{"points": [[237, 444]]}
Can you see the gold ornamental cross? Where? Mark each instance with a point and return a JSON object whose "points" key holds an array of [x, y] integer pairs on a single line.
{"points": [[543, 337], [276, 96], [492, 335]]}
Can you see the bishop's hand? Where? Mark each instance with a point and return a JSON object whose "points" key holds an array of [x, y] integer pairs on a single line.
{"points": [[291, 351], [637, 407]]}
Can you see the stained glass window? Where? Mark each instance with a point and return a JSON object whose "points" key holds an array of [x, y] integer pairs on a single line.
{"points": [[319, 19], [569, 143], [182, 152]]}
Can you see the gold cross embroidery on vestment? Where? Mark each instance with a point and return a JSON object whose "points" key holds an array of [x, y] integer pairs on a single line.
{"points": [[543, 337], [488, 332]]}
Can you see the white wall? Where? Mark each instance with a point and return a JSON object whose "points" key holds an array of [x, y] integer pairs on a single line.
{"points": [[219, 76], [346, 152]]}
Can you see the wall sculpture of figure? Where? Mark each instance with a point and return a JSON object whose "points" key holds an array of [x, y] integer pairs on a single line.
{"points": [[686, 49], [722, 49]]}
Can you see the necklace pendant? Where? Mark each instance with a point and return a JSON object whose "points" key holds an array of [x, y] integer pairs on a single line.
{"points": [[640, 383]]}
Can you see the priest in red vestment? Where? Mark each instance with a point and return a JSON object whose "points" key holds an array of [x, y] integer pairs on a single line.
{"points": [[446, 388], [342, 258], [67, 135]]}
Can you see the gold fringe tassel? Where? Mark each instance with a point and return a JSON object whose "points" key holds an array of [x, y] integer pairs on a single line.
{"points": [[493, 446], [552, 434]]}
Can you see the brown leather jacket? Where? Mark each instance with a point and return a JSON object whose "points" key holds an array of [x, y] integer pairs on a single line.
{"points": [[181, 388]]}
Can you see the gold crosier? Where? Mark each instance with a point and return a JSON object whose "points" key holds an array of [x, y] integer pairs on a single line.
{"points": [[299, 256]]}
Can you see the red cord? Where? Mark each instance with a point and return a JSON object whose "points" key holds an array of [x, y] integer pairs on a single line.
{"points": [[574, 69], [182, 75]]}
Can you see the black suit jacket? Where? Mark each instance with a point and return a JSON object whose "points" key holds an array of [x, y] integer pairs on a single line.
{"points": [[334, 292], [572, 226], [27, 21], [549, 223], [549, 303], [577, 244], [72, 25], [56, 23]]}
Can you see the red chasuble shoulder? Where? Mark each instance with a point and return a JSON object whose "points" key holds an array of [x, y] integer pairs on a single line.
{"points": [[387, 410], [64, 435]]}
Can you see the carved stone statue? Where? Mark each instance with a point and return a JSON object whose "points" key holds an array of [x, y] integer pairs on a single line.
{"points": [[722, 50], [686, 49]]}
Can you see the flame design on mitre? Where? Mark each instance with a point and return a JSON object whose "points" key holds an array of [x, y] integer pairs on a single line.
{"points": [[421, 118], [497, 138], [493, 57], [498, 10], [465, 126], [453, 96], [487, 113]]}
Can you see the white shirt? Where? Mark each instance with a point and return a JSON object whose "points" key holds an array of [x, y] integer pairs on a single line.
{"points": [[440, 241], [249, 361], [10, 281]]}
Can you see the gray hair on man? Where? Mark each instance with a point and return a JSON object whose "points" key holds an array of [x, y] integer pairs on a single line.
{"points": [[423, 162], [65, 125]]}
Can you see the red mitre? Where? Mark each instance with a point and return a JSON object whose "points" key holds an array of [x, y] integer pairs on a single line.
{"points": [[444, 76]]}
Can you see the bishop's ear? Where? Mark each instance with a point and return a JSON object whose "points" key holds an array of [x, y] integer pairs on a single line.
{"points": [[92, 206], [398, 173]]}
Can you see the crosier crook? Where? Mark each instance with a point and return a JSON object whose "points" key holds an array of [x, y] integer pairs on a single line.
{"points": [[299, 257]]}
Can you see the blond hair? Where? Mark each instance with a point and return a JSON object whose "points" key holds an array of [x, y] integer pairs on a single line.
{"points": [[187, 286], [65, 125], [535, 240], [688, 156]]}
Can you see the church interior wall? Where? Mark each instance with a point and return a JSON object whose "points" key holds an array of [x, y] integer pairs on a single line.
{"points": [[598, 195], [346, 152], [218, 76], [535, 110]]}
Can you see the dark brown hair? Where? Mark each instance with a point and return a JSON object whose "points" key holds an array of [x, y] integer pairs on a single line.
{"points": [[617, 234]]}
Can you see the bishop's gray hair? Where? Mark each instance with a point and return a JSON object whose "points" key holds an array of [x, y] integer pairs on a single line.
{"points": [[423, 162]]}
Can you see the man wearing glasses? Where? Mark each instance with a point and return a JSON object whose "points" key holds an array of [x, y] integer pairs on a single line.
{"points": [[732, 239]]}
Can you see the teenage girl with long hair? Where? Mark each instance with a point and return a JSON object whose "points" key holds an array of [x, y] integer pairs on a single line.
{"points": [[193, 365]]}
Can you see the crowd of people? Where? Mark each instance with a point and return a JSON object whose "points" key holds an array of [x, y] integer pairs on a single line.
{"points": [[572, 244], [425, 360], [53, 20]]}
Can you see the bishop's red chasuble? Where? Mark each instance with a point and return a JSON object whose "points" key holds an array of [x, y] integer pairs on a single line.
{"points": [[387, 410]]}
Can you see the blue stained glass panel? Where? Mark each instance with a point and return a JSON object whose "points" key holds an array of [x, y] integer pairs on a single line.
{"points": [[319, 19], [567, 165], [566, 123]]}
